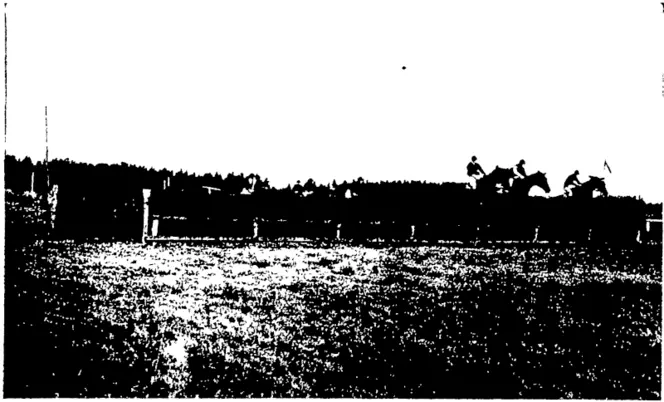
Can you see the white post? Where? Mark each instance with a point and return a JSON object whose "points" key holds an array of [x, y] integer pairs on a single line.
{"points": [[255, 229], [146, 214], [536, 234], [338, 237], [155, 227], [53, 203], [32, 183], [412, 232], [48, 181]]}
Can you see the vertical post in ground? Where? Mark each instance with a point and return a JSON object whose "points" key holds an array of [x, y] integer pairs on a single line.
{"points": [[412, 232], [146, 214], [255, 237], [52, 199], [536, 234], [48, 182], [5, 80], [154, 230], [338, 236]]}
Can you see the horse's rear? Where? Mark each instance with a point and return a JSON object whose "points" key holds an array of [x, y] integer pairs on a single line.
{"points": [[588, 188]]}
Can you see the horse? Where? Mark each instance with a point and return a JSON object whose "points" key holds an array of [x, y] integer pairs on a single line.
{"points": [[586, 189], [491, 182], [521, 187]]}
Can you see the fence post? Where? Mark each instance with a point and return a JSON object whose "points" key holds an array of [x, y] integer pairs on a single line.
{"points": [[338, 237], [155, 227], [146, 214], [52, 205], [536, 234], [255, 229], [412, 232]]}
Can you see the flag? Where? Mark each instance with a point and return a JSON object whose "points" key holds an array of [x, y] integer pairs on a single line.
{"points": [[606, 166]]}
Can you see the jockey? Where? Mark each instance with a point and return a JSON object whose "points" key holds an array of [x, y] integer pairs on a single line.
{"points": [[519, 171], [475, 172], [571, 182]]}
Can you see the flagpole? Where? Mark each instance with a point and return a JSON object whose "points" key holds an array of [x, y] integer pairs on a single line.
{"points": [[5, 80], [606, 166], [48, 184]]}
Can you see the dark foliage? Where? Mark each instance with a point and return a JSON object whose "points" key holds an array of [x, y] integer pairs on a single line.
{"points": [[105, 202]]}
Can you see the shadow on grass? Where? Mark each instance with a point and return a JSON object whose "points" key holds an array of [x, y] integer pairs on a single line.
{"points": [[54, 347]]}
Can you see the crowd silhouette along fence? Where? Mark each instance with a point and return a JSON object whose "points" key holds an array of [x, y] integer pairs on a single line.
{"points": [[130, 203]]}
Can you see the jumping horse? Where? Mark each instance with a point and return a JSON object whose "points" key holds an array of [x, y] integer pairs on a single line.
{"points": [[521, 187], [586, 189]]}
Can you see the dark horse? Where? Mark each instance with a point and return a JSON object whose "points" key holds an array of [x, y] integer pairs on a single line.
{"points": [[586, 189], [496, 181], [521, 187]]}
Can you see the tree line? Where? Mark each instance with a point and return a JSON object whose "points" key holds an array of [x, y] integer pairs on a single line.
{"points": [[105, 201]]}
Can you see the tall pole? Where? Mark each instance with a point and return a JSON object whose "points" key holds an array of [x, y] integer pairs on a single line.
{"points": [[48, 184], [5, 80]]}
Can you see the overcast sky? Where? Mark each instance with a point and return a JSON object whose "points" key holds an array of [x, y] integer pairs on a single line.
{"points": [[299, 89]]}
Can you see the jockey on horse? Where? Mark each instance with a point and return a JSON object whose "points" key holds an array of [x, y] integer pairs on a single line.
{"points": [[519, 172], [571, 182], [475, 172]]}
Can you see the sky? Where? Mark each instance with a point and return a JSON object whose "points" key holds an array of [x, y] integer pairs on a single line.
{"points": [[293, 90]]}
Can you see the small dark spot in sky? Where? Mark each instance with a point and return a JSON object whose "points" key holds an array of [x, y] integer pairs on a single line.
{"points": [[403, 68]]}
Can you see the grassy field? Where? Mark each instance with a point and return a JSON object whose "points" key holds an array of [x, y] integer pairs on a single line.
{"points": [[117, 319]]}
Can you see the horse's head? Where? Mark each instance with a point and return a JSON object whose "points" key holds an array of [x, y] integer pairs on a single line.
{"points": [[539, 179]]}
